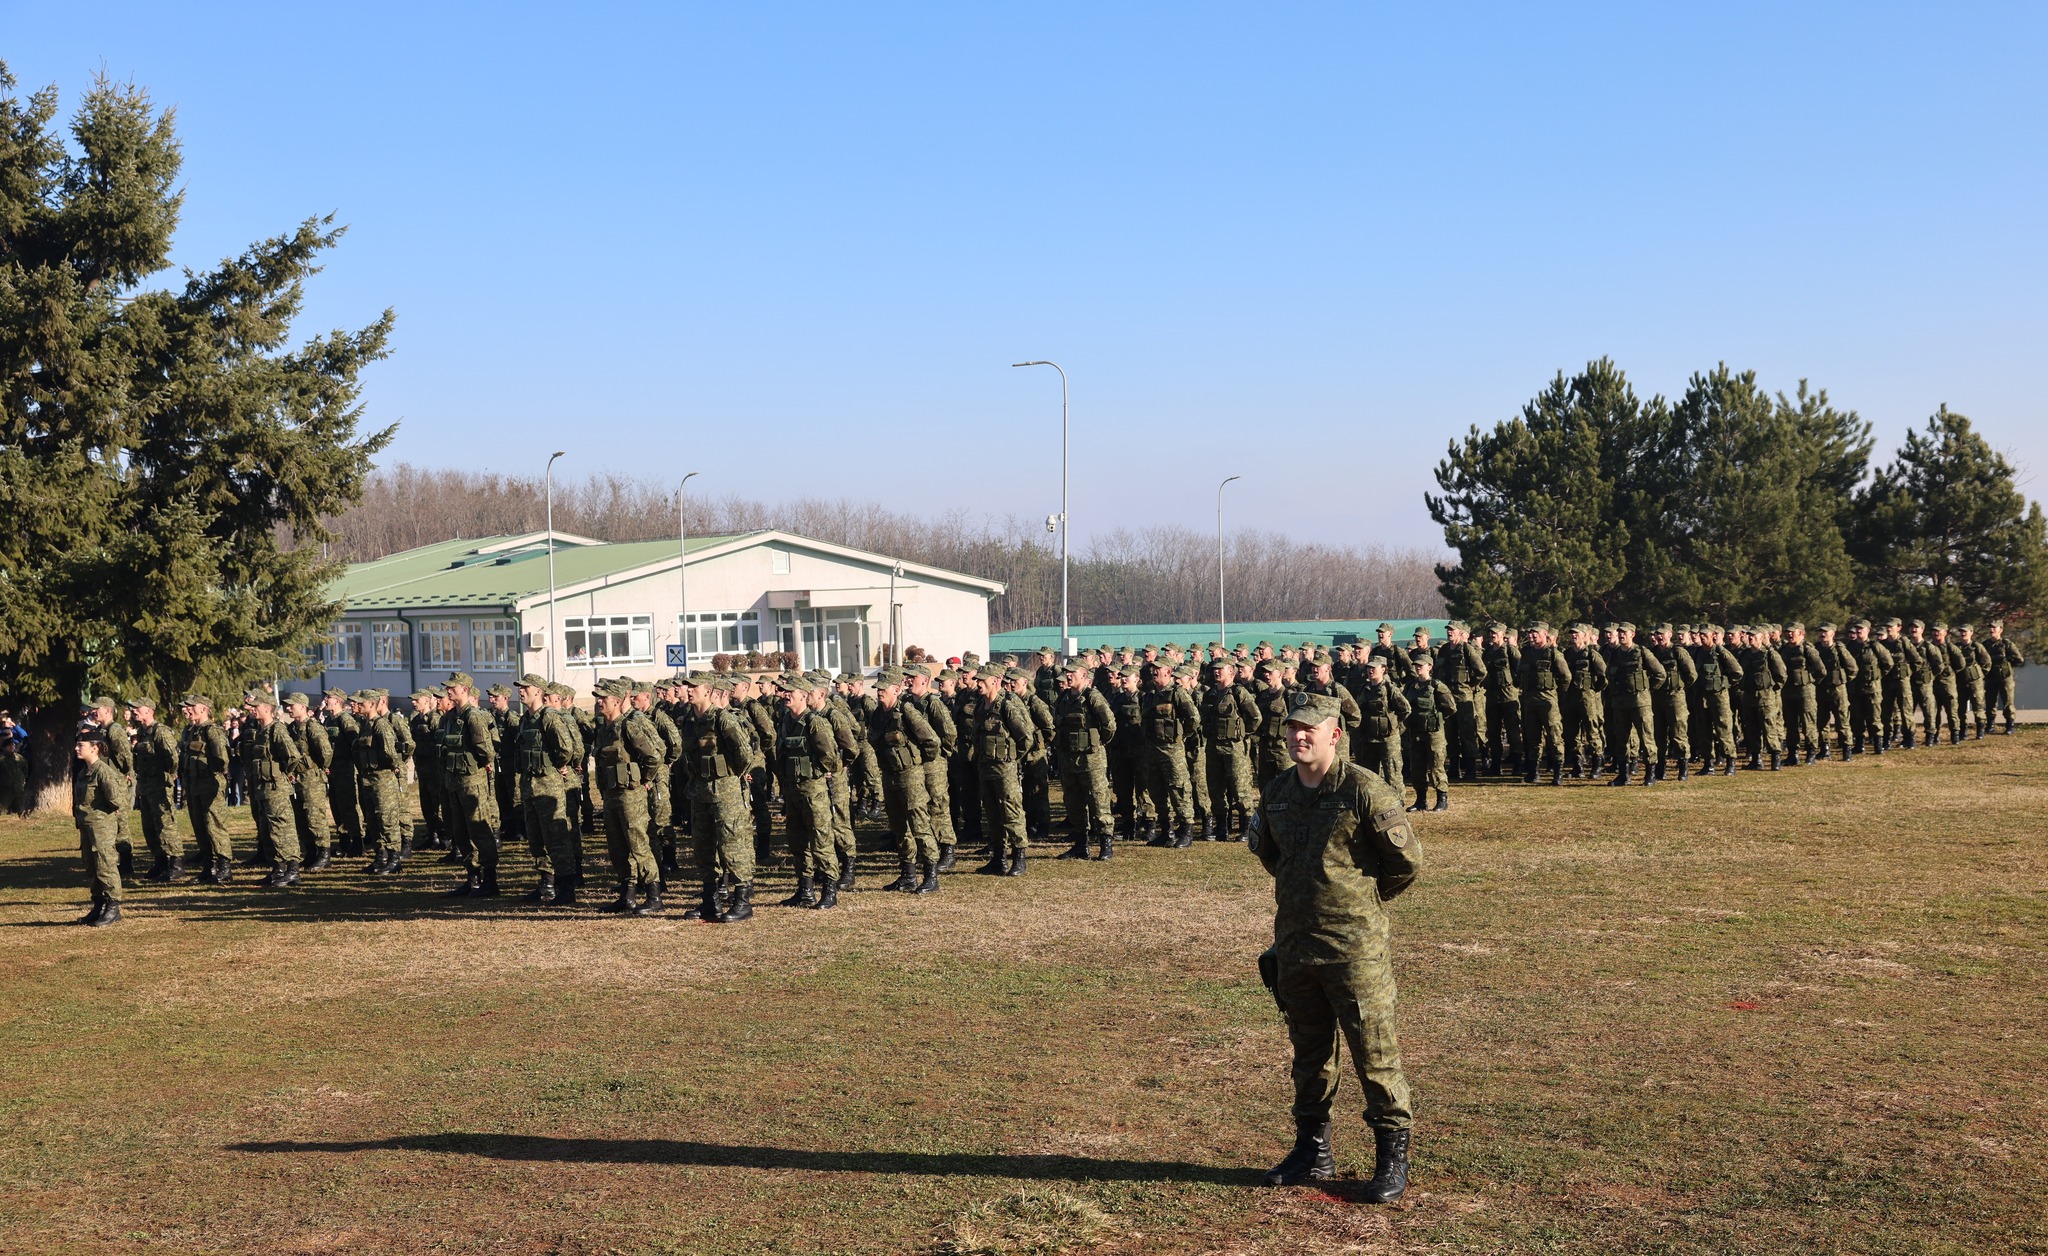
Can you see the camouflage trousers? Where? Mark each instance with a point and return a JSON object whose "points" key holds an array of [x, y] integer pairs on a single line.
{"points": [[1585, 726], [1667, 713], [1084, 784], [1631, 727], [1468, 730], [1802, 729], [839, 792], [938, 803], [1834, 713], [1002, 807], [159, 823], [342, 798], [1127, 790], [2002, 690], [382, 796], [1379, 755], [908, 805], [470, 805], [1424, 751], [207, 808], [549, 829], [309, 810], [277, 830], [1716, 724], [1763, 722], [807, 811], [1945, 706], [1355, 1001], [1166, 780], [1542, 731], [1971, 708], [1923, 697], [1229, 770], [1036, 775], [625, 837], [721, 830], [1504, 728], [1864, 704], [98, 839], [1198, 777], [1896, 716]]}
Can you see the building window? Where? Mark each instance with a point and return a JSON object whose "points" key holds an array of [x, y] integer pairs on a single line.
{"points": [[721, 632], [440, 643], [345, 652], [494, 644], [390, 645], [600, 639], [778, 560]]}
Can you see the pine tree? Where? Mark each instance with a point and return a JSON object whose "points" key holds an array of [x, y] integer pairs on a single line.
{"points": [[166, 457], [1531, 507], [1945, 533]]}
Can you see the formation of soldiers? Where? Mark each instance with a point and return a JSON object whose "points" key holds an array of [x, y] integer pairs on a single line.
{"points": [[1159, 744]]}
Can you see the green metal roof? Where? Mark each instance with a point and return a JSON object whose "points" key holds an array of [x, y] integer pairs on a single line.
{"points": [[460, 573], [1279, 632]]}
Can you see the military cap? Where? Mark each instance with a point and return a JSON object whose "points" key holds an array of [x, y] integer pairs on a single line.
{"points": [[1304, 707], [1825, 626], [1998, 623], [1859, 622], [1421, 630], [1670, 628], [256, 697], [461, 678], [1940, 626], [1015, 673], [500, 690], [421, 697], [142, 702], [1226, 661], [1421, 656], [1535, 625], [1918, 623], [916, 669], [1969, 628], [1006, 660], [295, 698], [889, 676], [1377, 660], [196, 699], [949, 673], [89, 733], [104, 703], [1893, 622], [534, 680], [790, 682], [437, 691], [556, 689], [1625, 626], [1128, 669], [1795, 626], [1458, 625], [642, 686], [1184, 672]]}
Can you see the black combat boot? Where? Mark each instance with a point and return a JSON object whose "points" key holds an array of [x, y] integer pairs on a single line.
{"points": [[292, 868], [828, 895], [1728, 765], [624, 904], [487, 884], [707, 908], [1183, 837], [1389, 1167], [1775, 756], [156, 869], [929, 884], [565, 888], [740, 906], [1016, 868], [223, 870], [110, 914], [947, 857], [378, 863], [92, 915], [543, 893], [906, 876], [651, 904], [803, 896], [1529, 773], [1104, 845], [1556, 770], [275, 881], [1626, 774], [321, 858], [995, 866], [1079, 850], [1310, 1161], [1651, 778], [470, 885], [1809, 756], [124, 862], [174, 871], [1443, 801], [1683, 766], [846, 871]]}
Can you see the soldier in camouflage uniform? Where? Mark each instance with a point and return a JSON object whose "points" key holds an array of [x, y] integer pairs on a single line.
{"points": [[1839, 670], [1335, 840], [1385, 647], [661, 804], [1430, 708], [382, 745], [537, 759], [963, 774], [424, 724], [1763, 682], [1127, 757], [1383, 717], [1168, 716], [1999, 680], [1544, 677], [838, 790], [1804, 667], [1866, 689], [1714, 713], [117, 752], [628, 752], [718, 751], [1461, 667], [938, 713], [806, 753], [309, 793], [1909, 654], [1911, 669], [1671, 701], [1503, 659], [1269, 751], [203, 761], [903, 743], [1230, 718], [343, 793], [155, 752], [1084, 729], [1002, 736], [467, 745], [1194, 750], [864, 771], [270, 763], [1585, 722], [1970, 678], [99, 792], [1633, 672], [1944, 661], [504, 731], [1038, 760]]}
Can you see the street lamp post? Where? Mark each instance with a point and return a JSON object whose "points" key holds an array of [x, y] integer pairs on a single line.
{"points": [[1222, 622], [552, 646], [1063, 495], [683, 572]]}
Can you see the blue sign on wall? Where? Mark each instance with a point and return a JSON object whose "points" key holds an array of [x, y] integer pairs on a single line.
{"points": [[678, 656]]}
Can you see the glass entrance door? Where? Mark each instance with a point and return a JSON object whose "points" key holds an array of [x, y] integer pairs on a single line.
{"points": [[834, 638]]}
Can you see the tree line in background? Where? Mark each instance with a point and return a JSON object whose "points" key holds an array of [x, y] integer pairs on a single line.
{"points": [[1729, 504], [1148, 575]]}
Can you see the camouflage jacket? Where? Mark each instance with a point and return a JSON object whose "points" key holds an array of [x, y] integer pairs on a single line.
{"points": [[1336, 852]]}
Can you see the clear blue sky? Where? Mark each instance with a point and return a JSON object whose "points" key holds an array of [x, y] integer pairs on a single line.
{"points": [[797, 246]]}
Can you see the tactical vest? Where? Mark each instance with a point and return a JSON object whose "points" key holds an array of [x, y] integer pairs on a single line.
{"points": [[617, 770], [530, 750], [1797, 675], [1076, 735], [1130, 719], [1500, 678], [1712, 678], [1422, 707], [1581, 663], [1537, 667], [1378, 724], [1162, 719], [899, 749], [992, 737], [1226, 722], [1627, 667], [793, 750], [1756, 670], [368, 752]]}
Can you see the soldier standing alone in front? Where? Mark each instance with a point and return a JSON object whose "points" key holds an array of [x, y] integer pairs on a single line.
{"points": [[1335, 840]]}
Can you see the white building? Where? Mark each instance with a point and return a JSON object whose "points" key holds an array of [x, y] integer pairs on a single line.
{"points": [[483, 606]]}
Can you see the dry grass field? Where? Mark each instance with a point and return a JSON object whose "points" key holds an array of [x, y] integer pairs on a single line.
{"points": [[1792, 1012]]}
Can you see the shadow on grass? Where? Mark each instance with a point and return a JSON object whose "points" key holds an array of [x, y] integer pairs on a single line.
{"points": [[719, 1155]]}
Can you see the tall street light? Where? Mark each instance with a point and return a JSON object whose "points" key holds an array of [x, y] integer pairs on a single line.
{"points": [[1222, 623], [683, 571], [552, 647], [1063, 496]]}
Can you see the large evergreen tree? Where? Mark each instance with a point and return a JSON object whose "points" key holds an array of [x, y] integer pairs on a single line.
{"points": [[166, 457], [1944, 532], [1532, 507]]}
